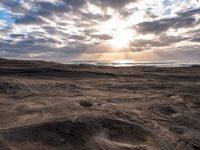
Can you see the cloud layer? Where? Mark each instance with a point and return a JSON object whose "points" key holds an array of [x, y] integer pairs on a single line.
{"points": [[67, 30]]}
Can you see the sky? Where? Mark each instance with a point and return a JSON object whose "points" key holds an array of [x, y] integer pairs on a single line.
{"points": [[100, 30]]}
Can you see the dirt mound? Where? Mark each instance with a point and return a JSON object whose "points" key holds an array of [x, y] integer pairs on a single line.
{"points": [[15, 88], [85, 133]]}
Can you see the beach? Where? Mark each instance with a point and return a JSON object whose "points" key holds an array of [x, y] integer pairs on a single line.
{"points": [[52, 106]]}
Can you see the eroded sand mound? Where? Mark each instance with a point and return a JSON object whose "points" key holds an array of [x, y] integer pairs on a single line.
{"points": [[83, 133]]}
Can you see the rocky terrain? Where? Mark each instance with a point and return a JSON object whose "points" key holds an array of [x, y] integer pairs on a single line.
{"points": [[50, 106]]}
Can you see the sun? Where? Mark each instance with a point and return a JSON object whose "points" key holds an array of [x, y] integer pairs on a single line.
{"points": [[124, 61], [122, 39], [121, 63], [119, 30]]}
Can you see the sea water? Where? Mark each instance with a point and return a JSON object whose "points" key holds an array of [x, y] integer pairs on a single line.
{"points": [[129, 64]]}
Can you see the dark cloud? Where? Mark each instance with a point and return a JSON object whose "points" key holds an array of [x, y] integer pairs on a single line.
{"points": [[13, 6], [21, 36], [102, 36], [26, 47], [89, 17], [161, 41], [196, 39], [117, 4], [89, 31], [163, 25], [148, 43], [189, 13], [184, 54], [34, 16], [183, 20], [152, 27], [29, 19], [74, 3], [10, 3], [47, 9], [77, 37]]}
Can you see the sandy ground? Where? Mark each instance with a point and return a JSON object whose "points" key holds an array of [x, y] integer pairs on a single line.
{"points": [[49, 106]]}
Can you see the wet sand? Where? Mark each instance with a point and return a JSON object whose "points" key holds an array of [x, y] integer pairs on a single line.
{"points": [[49, 106]]}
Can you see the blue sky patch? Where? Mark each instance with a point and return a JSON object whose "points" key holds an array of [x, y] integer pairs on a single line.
{"points": [[5, 16]]}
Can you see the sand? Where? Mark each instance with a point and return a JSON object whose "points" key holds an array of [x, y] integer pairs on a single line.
{"points": [[50, 106]]}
